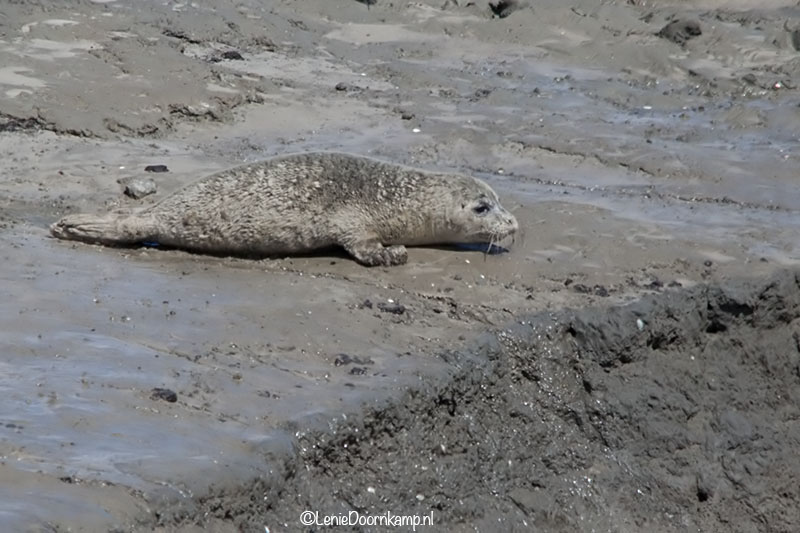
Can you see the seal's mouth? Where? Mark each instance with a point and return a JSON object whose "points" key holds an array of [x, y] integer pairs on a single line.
{"points": [[490, 249], [491, 243], [503, 240]]}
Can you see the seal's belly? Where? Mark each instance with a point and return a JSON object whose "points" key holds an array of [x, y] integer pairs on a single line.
{"points": [[243, 235]]}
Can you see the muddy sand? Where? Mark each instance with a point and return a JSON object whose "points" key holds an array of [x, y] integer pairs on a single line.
{"points": [[631, 364]]}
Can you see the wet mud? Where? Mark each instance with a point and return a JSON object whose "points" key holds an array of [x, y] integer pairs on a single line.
{"points": [[676, 413], [628, 363]]}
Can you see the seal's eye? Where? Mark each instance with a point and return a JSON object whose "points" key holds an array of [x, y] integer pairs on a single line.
{"points": [[482, 208]]}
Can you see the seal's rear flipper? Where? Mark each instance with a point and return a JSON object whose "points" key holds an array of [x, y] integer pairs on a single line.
{"points": [[103, 229]]}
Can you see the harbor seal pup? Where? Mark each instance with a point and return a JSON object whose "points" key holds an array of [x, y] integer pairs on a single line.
{"points": [[303, 202]]}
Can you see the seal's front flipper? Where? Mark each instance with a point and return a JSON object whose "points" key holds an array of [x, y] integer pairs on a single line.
{"points": [[371, 252], [104, 229]]}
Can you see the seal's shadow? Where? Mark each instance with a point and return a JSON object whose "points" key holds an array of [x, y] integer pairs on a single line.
{"points": [[490, 249], [333, 252]]}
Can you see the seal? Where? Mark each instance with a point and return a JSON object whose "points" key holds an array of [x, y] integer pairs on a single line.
{"points": [[299, 203]]}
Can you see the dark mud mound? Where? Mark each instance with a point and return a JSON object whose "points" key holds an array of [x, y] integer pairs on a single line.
{"points": [[677, 413]]}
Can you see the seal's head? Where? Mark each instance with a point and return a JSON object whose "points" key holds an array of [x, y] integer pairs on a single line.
{"points": [[476, 216]]}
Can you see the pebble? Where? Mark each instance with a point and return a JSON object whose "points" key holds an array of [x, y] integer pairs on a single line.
{"points": [[139, 188], [232, 55], [393, 308], [164, 394], [680, 31]]}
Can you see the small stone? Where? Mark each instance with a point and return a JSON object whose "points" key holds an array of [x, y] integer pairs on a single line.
{"points": [[164, 394], [654, 285], [504, 8], [581, 288], [139, 188], [601, 291], [232, 55], [680, 31], [393, 308], [342, 359], [156, 168]]}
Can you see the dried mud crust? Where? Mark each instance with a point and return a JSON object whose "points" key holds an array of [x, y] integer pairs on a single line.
{"points": [[676, 413]]}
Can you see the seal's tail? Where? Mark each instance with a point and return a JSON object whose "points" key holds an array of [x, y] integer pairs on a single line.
{"points": [[103, 229]]}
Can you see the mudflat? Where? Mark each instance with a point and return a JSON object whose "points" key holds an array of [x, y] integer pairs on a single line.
{"points": [[631, 363]]}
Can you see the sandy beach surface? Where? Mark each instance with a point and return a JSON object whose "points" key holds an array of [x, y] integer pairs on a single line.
{"points": [[631, 364]]}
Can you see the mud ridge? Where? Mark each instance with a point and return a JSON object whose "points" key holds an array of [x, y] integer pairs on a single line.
{"points": [[11, 123], [676, 412]]}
